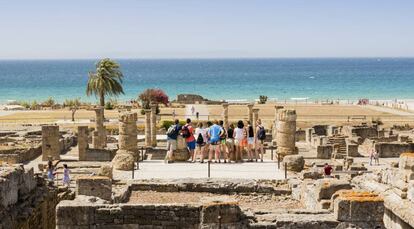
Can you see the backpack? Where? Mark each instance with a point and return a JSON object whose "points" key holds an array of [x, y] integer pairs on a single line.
{"points": [[171, 131], [186, 132], [262, 133], [200, 139]]}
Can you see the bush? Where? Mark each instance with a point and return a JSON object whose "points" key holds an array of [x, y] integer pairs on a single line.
{"points": [[25, 104], [109, 106], [167, 123], [262, 99], [49, 102]]}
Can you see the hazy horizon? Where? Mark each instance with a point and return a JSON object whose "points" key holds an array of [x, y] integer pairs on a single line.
{"points": [[206, 30]]}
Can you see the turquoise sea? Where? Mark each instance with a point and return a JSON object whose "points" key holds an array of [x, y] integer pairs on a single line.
{"points": [[319, 78]]}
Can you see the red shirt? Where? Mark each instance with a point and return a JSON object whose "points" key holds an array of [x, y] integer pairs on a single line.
{"points": [[190, 130], [327, 169]]}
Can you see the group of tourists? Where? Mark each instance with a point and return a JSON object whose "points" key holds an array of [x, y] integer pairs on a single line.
{"points": [[214, 140]]}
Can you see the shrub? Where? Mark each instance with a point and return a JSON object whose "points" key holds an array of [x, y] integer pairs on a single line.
{"points": [[109, 106], [153, 95], [262, 99], [49, 102]]}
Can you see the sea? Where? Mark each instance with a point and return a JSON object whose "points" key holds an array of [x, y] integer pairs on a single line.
{"points": [[217, 79]]}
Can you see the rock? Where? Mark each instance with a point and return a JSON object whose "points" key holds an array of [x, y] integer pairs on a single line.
{"points": [[358, 206], [124, 160], [97, 186], [325, 188], [106, 170], [294, 162], [407, 161]]}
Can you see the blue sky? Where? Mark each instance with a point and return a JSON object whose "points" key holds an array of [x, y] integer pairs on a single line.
{"points": [[205, 29]]}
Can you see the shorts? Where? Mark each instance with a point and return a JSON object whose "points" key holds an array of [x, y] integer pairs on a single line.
{"points": [[250, 140], [241, 143], [230, 142], [171, 144], [191, 145], [223, 141]]}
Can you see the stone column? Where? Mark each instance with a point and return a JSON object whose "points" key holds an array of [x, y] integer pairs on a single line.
{"points": [[82, 142], [147, 127], [153, 125], [50, 143], [274, 131], [255, 118], [99, 135], [250, 106], [286, 130], [128, 143], [225, 115]]}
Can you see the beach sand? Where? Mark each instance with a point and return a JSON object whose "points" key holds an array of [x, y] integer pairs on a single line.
{"points": [[308, 114]]}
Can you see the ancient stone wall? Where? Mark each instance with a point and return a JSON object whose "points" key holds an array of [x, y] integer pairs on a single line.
{"points": [[25, 201], [50, 143], [82, 142], [128, 144], [99, 135], [71, 214]]}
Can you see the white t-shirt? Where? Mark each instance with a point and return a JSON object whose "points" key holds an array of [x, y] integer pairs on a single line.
{"points": [[201, 131], [239, 134]]}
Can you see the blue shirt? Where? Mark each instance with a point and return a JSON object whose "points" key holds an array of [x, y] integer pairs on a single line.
{"points": [[176, 133], [214, 133]]}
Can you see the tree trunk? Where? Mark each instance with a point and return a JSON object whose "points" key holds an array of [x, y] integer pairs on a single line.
{"points": [[102, 100], [73, 115]]}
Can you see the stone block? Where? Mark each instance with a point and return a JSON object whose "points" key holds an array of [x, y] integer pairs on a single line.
{"points": [[352, 150], [406, 161], [358, 206], [124, 160], [325, 188], [50, 143], [393, 149], [106, 171], [324, 151], [294, 163], [98, 186]]}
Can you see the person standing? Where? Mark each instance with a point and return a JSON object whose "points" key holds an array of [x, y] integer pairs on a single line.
{"points": [[223, 146], [201, 138], [214, 133], [188, 134], [230, 141], [259, 140], [192, 110], [172, 134], [239, 137], [250, 141], [66, 175]]}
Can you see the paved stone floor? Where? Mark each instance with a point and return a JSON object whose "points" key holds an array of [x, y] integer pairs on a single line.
{"points": [[247, 170]]}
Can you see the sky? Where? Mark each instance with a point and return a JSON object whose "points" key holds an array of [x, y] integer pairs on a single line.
{"points": [[84, 29]]}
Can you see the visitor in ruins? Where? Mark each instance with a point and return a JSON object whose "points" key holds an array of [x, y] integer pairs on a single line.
{"points": [[50, 171], [259, 140], [188, 133], [327, 170], [239, 140], [201, 138], [250, 141], [172, 134], [230, 140], [223, 146], [214, 133], [66, 176]]}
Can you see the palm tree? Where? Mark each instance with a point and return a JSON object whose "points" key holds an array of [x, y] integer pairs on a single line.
{"points": [[107, 80]]}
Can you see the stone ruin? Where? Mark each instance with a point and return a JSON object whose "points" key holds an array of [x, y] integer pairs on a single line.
{"points": [[128, 147]]}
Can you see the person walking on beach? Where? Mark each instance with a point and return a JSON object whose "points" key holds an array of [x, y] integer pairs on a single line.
{"points": [[172, 134], [66, 176], [250, 140], [259, 140], [188, 133], [192, 110], [201, 138], [239, 137], [230, 141], [214, 133]]}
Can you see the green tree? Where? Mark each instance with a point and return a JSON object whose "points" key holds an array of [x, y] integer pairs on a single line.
{"points": [[107, 80]]}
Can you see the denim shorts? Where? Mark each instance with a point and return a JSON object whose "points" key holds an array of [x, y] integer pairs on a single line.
{"points": [[191, 145]]}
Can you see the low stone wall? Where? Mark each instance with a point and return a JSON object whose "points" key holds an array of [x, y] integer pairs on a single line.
{"points": [[99, 154], [393, 149], [15, 156], [226, 214]]}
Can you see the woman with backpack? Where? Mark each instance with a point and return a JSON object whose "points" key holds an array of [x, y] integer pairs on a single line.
{"points": [[201, 138], [259, 140], [188, 135]]}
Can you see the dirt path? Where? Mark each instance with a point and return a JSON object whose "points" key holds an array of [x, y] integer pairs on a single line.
{"points": [[200, 108]]}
